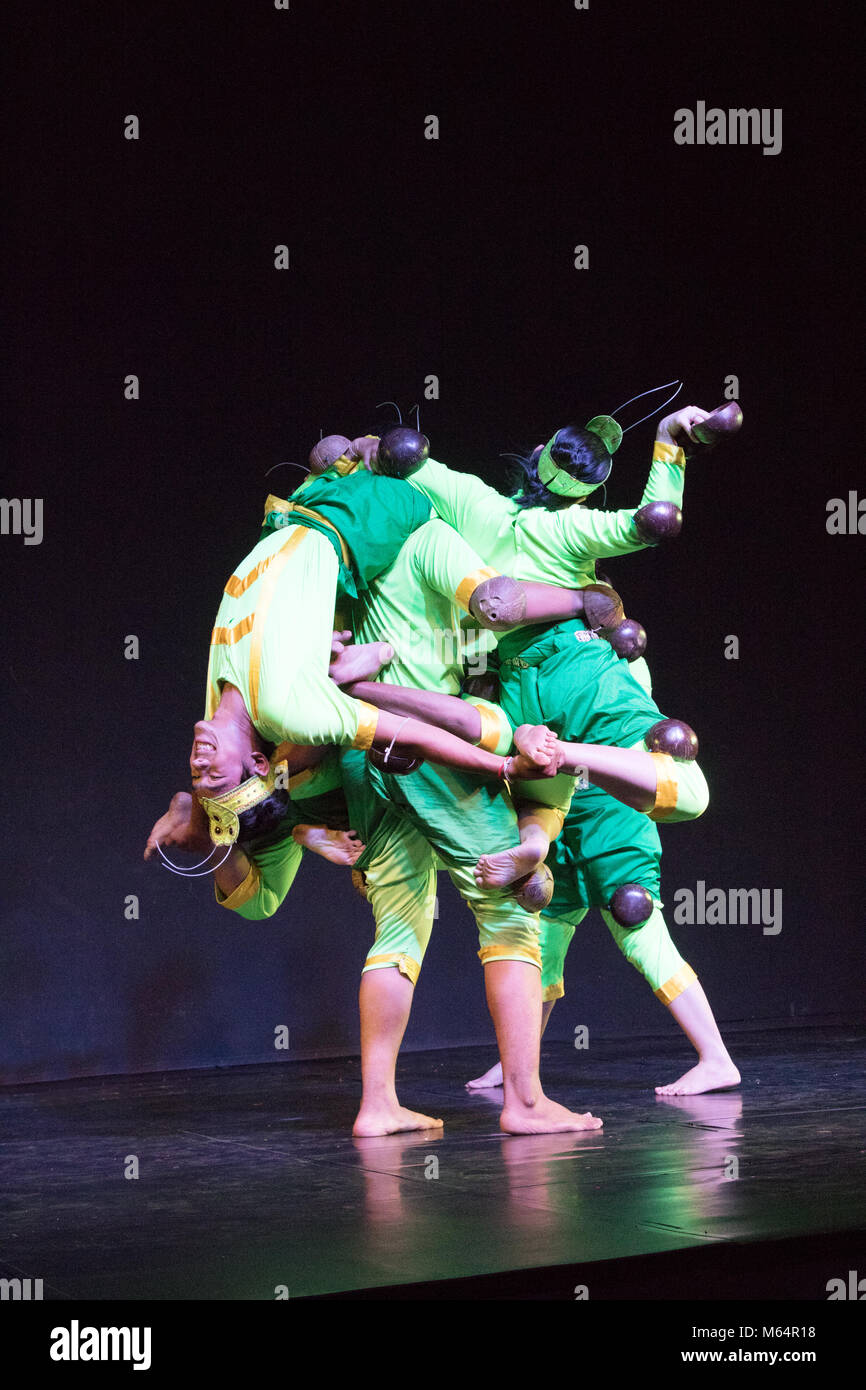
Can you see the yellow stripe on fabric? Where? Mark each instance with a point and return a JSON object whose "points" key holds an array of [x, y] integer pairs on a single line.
{"points": [[227, 636], [668, 453], [284, 751], [237, 586], [550, 992], [278, 564], [467, 586], [530, 954], [666, 789], [405, 964], [244, 891], [279, 504], [491, 729], [674, 987], [367, 721]]}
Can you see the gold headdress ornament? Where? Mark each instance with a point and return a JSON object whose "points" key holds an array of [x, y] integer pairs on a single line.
{"points": [[224, 811]]}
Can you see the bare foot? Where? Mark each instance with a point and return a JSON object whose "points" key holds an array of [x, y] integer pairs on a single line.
{"points": [[547, 1117], [491, 1078], [711, 1075], [390, 1119], [338, 846], [359, 663], [497, 870], [536, 741], [539, 753]]}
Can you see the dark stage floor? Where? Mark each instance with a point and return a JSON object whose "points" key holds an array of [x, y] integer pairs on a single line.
{"points": [[249, 1180]]}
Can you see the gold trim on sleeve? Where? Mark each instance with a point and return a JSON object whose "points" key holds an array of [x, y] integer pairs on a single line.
{"points": [[668, 453], [492, 728], [368, 718], [244, 891], [467, 586]]}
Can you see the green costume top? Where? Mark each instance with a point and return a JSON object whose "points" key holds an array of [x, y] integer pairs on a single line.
{"points": [[373, 515], [417, 607], [414, 606], [553, 547]]}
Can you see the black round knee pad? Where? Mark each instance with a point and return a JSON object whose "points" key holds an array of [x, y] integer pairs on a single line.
{"points": [[397, 763], [628, 639], [535, 890], [673, 736], [499, 602], [602, 607], [658, 521], [631, 905]]}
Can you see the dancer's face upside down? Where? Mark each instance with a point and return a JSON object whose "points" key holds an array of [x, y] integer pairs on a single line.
{"points": [[221, 758]]}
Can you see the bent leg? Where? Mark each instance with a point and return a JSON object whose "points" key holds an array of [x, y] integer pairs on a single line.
{"points": [[537, 826]]}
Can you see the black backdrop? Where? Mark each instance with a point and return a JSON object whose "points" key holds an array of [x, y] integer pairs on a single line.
{"points": [[411, 257]]}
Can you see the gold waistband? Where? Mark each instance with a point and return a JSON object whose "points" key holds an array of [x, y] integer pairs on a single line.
{"points": [[278, 504]]}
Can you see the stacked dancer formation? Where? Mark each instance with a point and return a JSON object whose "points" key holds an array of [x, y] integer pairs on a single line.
{"points": [[392, 754]]}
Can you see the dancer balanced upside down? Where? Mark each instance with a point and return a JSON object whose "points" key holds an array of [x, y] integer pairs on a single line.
{"points": [[268, 684], [629, 773]]}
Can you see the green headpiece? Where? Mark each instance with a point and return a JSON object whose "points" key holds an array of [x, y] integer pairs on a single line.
{"points": [[556, 479], [610, 433]]}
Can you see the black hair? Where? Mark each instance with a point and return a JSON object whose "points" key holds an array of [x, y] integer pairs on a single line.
{"points": [[266, 823], [577, 451], [264, 816]]}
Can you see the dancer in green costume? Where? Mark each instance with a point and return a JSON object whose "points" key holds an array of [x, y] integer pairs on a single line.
{"points": [[425, 818], [584, 692], [268, 673]]}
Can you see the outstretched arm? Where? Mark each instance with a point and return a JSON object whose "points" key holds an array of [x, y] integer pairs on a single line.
{"points": [[593, 533], [443, 711], [503, 603]]}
